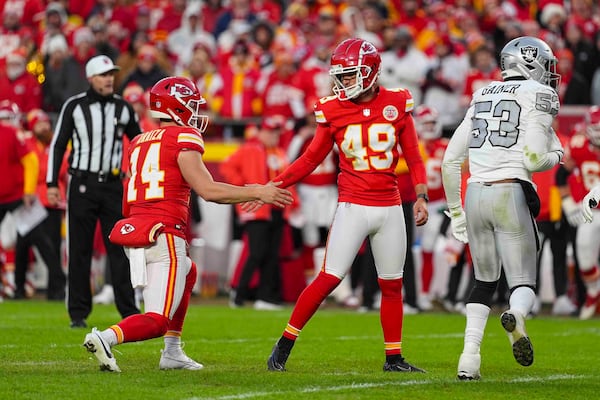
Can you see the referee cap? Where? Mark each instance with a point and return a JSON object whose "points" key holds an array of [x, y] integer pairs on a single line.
{"points": [[99, 65]]}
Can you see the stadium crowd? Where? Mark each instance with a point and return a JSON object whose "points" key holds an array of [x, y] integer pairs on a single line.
{"points": [[254, 60]]}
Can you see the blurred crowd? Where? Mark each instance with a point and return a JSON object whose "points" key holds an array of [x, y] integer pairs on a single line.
{"points": [[261, 59], [255, 58]]}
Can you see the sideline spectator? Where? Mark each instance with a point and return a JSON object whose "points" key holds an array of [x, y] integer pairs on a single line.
{"points": [[403, 65], [259, 160], [445, 80], [63, 75], [18, 85], [148, 70], [20, 167], [238, 99], [182, 41], [46, 237]]}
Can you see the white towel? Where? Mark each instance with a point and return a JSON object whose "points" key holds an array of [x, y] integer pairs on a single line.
{"points": [[137, 266]]}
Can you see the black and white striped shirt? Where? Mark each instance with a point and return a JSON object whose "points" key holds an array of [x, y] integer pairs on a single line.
{"points": [[95, 124]]}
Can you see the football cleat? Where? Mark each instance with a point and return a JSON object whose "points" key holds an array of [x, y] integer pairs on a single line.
{"points": [[468, 367], [514, 325], [563, 306], [401, 366], [178, 361], [95, 344], [277, 359], [589, 307]]}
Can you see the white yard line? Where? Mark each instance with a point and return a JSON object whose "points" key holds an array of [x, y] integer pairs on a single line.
{"points": [[367, 385]]}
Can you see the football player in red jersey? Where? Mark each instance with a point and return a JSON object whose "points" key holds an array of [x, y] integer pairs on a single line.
{"points": [[367, 123], [584, 154], [165, 164], [429, 130]]}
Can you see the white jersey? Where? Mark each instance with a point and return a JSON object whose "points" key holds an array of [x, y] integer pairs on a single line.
{"points": [[506, 133], [505, 114]]}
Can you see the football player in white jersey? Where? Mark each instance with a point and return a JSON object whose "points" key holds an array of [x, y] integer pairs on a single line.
{"points": [[506, 135]]}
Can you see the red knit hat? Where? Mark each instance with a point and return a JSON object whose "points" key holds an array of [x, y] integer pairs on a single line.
{"points": [[36, 115]]}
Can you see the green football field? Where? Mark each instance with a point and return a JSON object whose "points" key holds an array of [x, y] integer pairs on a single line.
{"points": [[339, 356]]}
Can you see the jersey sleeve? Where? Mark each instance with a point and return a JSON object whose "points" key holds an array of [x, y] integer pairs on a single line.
{"points": [[542, 148], [412, 153], [315, 153], [455, 155], [190, 140]]}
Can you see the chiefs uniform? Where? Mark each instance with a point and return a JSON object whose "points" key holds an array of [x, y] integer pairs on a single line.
{"points": [[585, 157], [157, 201], [156, 187], [367, 135]]}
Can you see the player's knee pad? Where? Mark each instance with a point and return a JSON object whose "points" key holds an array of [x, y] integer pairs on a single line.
{"points": [[483, 292], [159, 324], [390, 287]]}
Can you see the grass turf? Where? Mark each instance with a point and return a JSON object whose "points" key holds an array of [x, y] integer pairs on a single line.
{"points": [[339, 355]]}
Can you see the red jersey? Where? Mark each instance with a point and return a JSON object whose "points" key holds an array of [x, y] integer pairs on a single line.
{"points": [[25, 91], [367, 135], [587, 159], [41, 151], [14, 147], [435, 150], [477, 79], [156, 187]]}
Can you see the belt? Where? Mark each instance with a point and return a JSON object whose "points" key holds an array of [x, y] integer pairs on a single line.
{"points": [[97, 176], [508, 180]]}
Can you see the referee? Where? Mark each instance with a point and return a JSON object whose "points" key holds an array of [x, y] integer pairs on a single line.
{"points": [[94, 122]]}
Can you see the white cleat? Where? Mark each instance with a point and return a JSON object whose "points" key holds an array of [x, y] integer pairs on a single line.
{"points": [[410, 310], [266, 306], [105, 296], [178, 361], [563, 306], [514, 325], [468, 367], [588, 310], [95, 344]]}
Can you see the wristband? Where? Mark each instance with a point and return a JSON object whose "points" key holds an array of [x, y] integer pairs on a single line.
{"points": [[423, 196]]}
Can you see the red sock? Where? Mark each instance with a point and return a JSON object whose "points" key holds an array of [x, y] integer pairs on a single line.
{"points": [[176, 324], [427, 271], [391, 314], [309, 301], [140, 327]]}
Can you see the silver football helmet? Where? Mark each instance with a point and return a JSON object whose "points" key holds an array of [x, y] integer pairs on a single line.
{"points": [[530, 58]]}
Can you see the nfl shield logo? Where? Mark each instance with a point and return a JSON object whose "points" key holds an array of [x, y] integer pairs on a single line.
{"points": [[529, 53], [366, 112]]}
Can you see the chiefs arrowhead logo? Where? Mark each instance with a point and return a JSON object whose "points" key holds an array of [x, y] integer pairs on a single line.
{"points": [[127, 228]]}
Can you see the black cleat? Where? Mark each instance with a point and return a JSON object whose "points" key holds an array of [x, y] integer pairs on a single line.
{"points": [[277, 359], [401, 366], [514, 325], [78, 323]]}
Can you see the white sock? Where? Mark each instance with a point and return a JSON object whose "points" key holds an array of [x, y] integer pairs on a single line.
{"points": [[477, 315], [172, 344], [109, 337], [522, 300]]}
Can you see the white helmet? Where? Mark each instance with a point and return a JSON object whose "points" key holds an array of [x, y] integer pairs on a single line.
{"points": [[530, 58], [427, 122]]}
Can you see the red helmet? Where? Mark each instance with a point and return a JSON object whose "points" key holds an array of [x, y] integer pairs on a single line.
{"points": [[427, 122], [178, 99], [592, 125], [10, 112], [354, 56]]}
